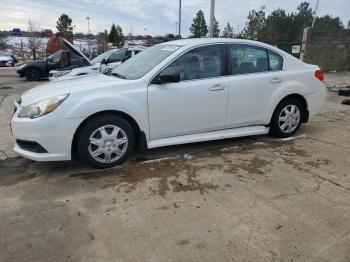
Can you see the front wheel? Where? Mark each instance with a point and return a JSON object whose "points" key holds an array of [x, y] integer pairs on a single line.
{"points": [[286, 119], [105, 141], [32, 74]]}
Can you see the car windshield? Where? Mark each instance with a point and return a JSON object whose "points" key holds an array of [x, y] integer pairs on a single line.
{"points": [[145, 61], [102, 56], [56, 55], [4, 54]]}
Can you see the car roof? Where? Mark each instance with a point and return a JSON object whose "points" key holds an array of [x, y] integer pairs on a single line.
{"points": [[199, 41], [136, 48], [193, 42]]}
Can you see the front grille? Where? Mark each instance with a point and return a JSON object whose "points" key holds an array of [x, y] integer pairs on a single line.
{"points": [[31, 146]]}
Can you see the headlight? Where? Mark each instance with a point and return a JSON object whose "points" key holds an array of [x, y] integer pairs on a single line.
{"points": [[42, 107], [61, 73], [21, 66]]}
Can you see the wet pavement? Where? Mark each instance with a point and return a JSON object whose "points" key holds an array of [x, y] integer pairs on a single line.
{"points": [[248, 199]]}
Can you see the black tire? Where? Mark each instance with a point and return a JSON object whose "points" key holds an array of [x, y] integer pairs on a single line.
{"points": [[90, 127], [275, 127], [32, 74]]}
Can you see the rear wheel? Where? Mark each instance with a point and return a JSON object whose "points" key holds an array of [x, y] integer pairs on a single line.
{"points": [[105, 141], [286, 119], [32, 74]]}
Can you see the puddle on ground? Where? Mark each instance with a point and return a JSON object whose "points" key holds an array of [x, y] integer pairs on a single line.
{"points": [[166, 172], [184, 172]]}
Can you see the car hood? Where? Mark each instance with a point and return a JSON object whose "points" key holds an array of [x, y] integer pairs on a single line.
{"points": [[77, 84], [34, 63], [74, 50], [5, 58]]}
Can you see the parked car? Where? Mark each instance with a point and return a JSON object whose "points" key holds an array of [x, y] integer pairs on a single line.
{"points": [[103, 63], [61, 59], [17, 31], [7, 59], [177, 92]]}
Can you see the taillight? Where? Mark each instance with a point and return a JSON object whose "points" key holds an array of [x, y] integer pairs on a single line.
{"points": [[319, 75]]}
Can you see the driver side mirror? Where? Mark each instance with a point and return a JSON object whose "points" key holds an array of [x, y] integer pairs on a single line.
{"points": [[168, 78], [104, 61]]}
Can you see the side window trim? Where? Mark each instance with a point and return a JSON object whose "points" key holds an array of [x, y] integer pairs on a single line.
{"points": [[268, 60]]}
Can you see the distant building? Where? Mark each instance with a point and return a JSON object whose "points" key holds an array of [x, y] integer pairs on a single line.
{"points": [[47, 32]]}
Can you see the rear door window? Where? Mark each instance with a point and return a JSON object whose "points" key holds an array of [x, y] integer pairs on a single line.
{"points": [[245, 59], [127, 55], [117, 56]]}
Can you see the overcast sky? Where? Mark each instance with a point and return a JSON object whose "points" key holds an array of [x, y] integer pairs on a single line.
{"points": [[158, 16]]}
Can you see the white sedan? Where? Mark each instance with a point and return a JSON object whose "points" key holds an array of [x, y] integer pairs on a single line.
{"points": [[176, 92]]}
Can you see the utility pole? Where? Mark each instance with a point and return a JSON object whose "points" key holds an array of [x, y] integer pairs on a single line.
{"points": [[315, 14], [179, 17], [211, 25], [88, 19], [175, 28]]}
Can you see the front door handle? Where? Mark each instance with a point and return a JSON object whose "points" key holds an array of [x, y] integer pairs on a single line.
{"points": [[216, 88], [276, 80]]}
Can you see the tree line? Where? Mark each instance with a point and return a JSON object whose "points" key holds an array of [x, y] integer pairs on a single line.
{"points": [[276, 27], [115, 36]]}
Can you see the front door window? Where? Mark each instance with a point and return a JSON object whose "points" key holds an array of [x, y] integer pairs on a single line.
{"points": [[198, 63]]}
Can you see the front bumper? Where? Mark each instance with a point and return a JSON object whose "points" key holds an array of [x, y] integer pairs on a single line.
{"points": [[51, 132], [6, 63], [20, 72]]}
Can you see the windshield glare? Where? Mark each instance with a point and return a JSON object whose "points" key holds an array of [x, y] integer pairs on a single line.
{"points": [[5, 54], [55, 55], [102, 56], [144, 62]]}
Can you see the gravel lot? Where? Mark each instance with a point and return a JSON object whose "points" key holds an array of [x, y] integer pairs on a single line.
{"points": [[248, 199]]}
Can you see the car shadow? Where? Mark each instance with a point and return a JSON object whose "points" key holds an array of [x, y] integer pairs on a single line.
{"points": [[75, 166]]}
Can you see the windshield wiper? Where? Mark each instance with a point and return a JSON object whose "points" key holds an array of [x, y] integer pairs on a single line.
{"points": [[118, 75]]}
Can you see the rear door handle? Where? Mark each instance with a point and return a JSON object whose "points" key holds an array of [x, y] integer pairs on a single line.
{"points": [[216, 88], [276, 80]]}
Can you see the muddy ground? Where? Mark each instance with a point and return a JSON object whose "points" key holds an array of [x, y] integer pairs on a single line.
{"points": [[248, 199]]}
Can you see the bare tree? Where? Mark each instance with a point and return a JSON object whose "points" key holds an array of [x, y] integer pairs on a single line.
{"points": [[102, 42], [34, 40]]}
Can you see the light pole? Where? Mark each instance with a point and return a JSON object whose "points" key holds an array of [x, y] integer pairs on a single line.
{"points": [[179, 17], [88, 19], [211, 25], [145, 31], [314, 18]]}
